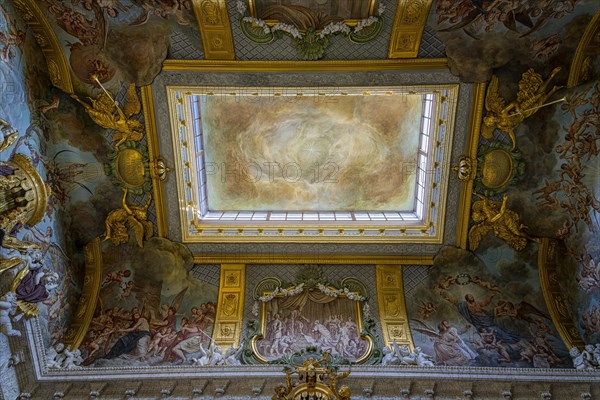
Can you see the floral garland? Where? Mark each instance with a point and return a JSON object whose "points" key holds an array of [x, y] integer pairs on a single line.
{"points": [[330, 29]]}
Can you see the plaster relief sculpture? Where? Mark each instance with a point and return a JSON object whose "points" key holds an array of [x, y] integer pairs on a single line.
{"points": [[401, 355], [583, 359], [530, 98], [62, 357]]}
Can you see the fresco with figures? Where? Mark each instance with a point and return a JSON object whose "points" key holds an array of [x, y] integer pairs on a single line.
{"points": [[150, 310], [485, 309]]}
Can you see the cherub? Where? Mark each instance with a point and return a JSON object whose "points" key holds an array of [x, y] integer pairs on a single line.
{"points": [[427, 309], [445, 283], [531, 96], [126, 289], [8, 308], [493, 215], [484, 284], [116, 277]]}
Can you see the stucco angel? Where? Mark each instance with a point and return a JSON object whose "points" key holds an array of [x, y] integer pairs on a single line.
{"points": [[493, 215], [107, 113], [136, 219], [531, 96]]}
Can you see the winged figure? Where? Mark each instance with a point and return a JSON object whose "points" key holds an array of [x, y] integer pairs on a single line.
{"points": [[530, 98], [493, 215], [135, 217], [107, 113], [8, 135]]}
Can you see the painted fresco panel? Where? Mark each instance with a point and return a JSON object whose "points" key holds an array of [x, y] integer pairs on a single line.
{"points": [[311, 153], [150, 310], [334, 10], [485, 310]]}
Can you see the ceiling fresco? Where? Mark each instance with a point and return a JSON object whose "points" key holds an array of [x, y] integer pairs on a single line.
{"points": [[104, 294]]}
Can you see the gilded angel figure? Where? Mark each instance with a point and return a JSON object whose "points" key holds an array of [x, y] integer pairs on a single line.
{"points": [[493, 215], [134, 217], [531, 97], [107, 113]]}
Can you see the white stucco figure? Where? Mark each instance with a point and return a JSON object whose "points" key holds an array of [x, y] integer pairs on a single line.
{"points": [[8, 308]]}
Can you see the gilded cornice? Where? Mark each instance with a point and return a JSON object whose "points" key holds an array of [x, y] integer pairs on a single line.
{"points": [[466, 194], [58, 68], [313, 258], [312, 66]]}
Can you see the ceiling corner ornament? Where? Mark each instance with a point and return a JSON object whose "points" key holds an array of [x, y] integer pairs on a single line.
{"points": [[213, 22], [555, 301], [409, 23], [130, 167], [392, 306], [532, 95], [89, 295], [230, 306], [498, 168], [582, 66], [464, 169], [312, 376], [311, 42], [58, 68]]}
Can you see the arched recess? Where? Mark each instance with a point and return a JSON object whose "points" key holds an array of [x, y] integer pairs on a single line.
{"points": [[58, 68], [587, 50]]}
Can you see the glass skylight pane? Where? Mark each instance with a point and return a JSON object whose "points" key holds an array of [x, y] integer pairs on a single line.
{"points": [[426, 125]]}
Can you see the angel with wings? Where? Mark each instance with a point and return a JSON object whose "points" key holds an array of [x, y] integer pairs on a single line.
{"points": [[106, 112], [449, 347], [135, 217], [531, 97], [493, 215]]}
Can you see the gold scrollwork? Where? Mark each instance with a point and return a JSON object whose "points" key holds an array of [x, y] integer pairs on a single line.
{"points": [[586, 51], [409, 23], [228, 322], [213, 21], [392, 310]]}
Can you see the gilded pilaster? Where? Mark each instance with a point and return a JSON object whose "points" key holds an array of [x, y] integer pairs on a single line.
{"points": [[409, 23], [213, 21], [392, 306], [230, 306]]}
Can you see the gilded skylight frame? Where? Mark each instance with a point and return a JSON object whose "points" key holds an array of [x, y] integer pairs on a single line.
{"points": [[430, 230]]}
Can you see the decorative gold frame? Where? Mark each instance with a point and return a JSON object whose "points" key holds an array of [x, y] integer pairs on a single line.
{"points": [[263, 328], [466, 194], [349, 22], [191, 231]]}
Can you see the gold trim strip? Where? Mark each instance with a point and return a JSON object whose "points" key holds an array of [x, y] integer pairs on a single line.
{"points": [[462, 228], [154, 155], [213, 22], [89, 295], [585, 48], [230, 306], [311, 259], [553, 296], [58, 68], [392, 306], [407, 32], [290, 66]]}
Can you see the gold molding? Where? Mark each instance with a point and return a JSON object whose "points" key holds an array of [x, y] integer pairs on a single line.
{"points": [[213, 22], [58, 68], [154, 157], [228, 326], [89, 295], [555, 301], [37, 199], [409, 23], [462, 227], [589, 45], [314, 258], [392, 306], [312, 66]]}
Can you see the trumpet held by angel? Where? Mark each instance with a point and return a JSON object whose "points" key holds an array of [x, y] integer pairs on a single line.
{"points": [[106, 112], [532, 95]]}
